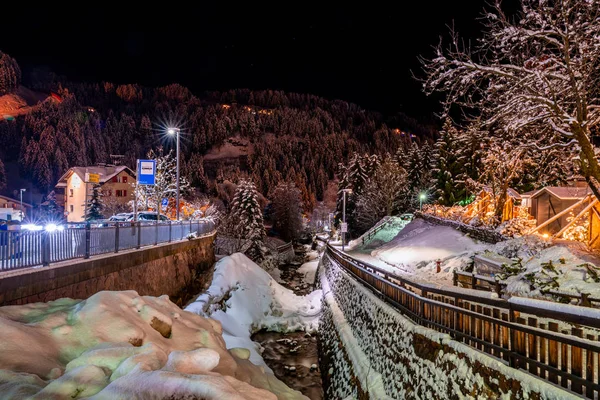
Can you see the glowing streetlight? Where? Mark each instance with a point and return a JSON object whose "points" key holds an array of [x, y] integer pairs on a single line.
{"points": [[422, 198], [175, 131]]}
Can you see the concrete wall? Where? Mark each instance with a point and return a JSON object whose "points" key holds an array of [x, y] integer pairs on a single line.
{"points": [[154, 271], [370, 351]]}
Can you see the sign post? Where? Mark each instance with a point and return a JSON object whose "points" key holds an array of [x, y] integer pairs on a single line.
{"points": [[145, 175]]}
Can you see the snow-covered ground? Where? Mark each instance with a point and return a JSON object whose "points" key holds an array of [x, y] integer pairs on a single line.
{"points": [[309, 268], [392, 226], [119, 345], [246, 299], [416, 248]]}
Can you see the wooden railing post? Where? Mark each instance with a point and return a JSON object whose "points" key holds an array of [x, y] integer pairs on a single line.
{"points": [[88, 234]]}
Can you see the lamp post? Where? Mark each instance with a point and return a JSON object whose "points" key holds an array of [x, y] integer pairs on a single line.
{"points": [[422, 197], [21, 210], [175, 131], [344, 217]]}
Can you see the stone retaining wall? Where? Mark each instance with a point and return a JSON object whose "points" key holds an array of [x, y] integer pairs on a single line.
{"points": [[485, 235], [403, 359], [153, 271]]}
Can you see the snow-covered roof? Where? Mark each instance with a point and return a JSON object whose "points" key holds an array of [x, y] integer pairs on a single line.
{"points": [[106, 173], [15, 201], [529, 194], [565, 192]]}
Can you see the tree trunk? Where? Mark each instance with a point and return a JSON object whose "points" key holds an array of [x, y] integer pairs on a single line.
{"points": [[589, 163]]}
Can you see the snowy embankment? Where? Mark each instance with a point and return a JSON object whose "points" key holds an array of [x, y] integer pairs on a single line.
{"points": [[562, 267], [246, 299], [391, 227], [119, 345]]}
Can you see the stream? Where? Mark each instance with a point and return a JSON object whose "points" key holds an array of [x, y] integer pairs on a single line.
{"points": [[293, 357]]}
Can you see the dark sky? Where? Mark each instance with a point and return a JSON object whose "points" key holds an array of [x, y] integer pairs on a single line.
{"points": [[362, 54]]}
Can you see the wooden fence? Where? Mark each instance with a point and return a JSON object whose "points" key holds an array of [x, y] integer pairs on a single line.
{"points": [[562, 348]]}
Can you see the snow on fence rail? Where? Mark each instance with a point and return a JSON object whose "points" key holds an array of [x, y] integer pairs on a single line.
{"points": [[489, 283], [22, 249], [544, 347]]}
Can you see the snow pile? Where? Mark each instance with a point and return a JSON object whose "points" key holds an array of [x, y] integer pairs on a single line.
{"points": [[557, 268], [246, 299], [119, 345]]}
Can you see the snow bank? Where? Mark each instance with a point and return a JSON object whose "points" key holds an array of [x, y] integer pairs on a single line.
{"points": [[416, 248], [246, 299], [119, 345]]}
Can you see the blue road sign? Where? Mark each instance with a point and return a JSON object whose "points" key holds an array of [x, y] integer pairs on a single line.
{"points": [[146, 172], [165, 202]]}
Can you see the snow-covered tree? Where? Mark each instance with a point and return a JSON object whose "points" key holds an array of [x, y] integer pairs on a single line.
{"points": [[501, 166], [50, 211], [287, 211], [418, 165], [94, 207], [246, 220], [448, 169], [165, 183], [537, 72], [384, 194]]}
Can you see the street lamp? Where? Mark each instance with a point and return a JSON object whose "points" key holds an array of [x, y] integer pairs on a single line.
{"points": [[175, 131], [422, 197], [344, 191], [21, 210]]}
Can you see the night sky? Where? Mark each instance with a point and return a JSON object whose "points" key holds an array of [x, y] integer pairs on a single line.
{"points": [[360, 54]]}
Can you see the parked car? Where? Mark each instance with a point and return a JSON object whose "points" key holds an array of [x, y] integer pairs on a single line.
{"points": [[121, 217], [147, 216]]}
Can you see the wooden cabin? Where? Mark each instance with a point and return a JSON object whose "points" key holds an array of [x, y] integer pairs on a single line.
{"points": [[552, 200]]}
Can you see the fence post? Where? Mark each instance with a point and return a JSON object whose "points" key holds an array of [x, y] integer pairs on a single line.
{"points": [[156, 233], [117, 238], [170, 230], [512, 362], [473, 281], [88, 239], [498, 289], [454, 278], [585, 302], [45, 248], [139, 232], [190, 226]]}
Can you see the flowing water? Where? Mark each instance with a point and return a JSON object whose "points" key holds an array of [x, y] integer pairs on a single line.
{"points": [[293, 357]]}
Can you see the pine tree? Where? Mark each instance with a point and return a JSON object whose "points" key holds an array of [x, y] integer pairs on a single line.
{"points": [[247, 220], [448, 170], [384, 194], [287, 211], [94, 205], [50, 207]]}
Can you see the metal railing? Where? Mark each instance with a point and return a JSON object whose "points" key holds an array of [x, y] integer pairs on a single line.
{"points": [[23, 249], [560, 347]]}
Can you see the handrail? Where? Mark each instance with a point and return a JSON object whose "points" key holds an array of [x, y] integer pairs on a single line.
{"points": [[545, 348]]}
